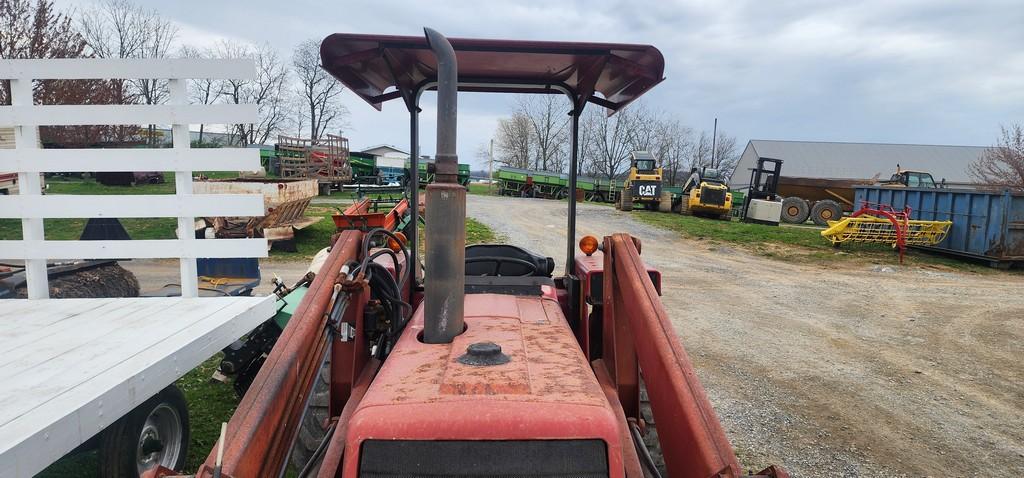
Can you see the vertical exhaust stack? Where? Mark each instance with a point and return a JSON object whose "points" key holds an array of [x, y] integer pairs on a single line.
{"points": [[446, 210]]}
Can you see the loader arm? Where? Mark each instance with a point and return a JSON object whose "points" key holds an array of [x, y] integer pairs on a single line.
{"points": [[643, 339], [277, 397]]}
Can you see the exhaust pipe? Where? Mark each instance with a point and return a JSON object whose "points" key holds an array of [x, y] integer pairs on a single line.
{"points": [[446, 210]]}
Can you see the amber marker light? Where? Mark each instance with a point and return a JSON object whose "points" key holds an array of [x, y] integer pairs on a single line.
{"points": [[588, 245]]}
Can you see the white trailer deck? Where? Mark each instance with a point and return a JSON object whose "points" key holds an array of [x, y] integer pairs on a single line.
{"points": [[71, 367]]}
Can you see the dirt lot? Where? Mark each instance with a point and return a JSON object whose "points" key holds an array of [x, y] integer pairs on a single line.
{"points": [[851, 370], [155, 273]]}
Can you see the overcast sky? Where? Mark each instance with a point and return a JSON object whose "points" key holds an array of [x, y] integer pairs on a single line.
{"points": [[921, 71]]}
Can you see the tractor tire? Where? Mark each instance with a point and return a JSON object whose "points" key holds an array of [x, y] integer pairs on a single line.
{"points": [[795, 210], [154, 433], [627, 200], [825, 211], [314, 423], [651, 437], [665, 204]]}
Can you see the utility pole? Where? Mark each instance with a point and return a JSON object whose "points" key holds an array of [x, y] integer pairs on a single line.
{"points": [[714, 139], [490, 167]]}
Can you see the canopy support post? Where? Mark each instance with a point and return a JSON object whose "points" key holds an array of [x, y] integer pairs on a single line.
{"points": [[570, 247], [414, 192]]}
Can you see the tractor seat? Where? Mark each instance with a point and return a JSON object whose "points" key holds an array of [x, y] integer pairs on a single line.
{"points": [[504, 260]]}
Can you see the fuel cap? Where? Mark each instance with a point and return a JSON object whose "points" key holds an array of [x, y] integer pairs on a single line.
{"points": [[483, 354]]}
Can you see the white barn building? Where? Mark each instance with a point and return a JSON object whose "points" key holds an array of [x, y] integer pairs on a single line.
{"points": [[829, 160]]}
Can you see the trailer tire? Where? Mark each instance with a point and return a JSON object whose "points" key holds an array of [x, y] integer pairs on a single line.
{"points": [[314, 423], [825, 211], [795, 210], [163, 417]]}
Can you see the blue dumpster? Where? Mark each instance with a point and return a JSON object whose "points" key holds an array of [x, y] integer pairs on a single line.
{"points": [[987, 225]]}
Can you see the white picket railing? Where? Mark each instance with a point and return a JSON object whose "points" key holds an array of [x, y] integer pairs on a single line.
{"points": [[28, 160]]}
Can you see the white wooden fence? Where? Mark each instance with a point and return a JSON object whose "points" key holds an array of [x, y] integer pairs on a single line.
{"points": [[28, 160]]}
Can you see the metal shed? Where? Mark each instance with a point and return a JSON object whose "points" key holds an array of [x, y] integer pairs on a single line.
{"points": [[828, 160]]}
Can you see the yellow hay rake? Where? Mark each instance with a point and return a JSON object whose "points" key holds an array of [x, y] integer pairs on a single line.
{"points": [[884, 225]]}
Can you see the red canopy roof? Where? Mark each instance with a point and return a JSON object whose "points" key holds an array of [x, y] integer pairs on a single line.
{"points": [[379, 68]]}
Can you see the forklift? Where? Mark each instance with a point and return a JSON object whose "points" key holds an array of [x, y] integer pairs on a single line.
{"points": [[763, 204]]}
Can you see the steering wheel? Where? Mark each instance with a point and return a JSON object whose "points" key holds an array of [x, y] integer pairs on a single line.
{"points": [[498, 261]]}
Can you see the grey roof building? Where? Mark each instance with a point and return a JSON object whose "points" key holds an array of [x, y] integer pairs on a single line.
{"points": [[812, 159]]}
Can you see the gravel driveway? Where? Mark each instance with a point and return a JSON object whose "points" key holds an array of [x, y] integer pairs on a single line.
{"points": [[829, 370]]}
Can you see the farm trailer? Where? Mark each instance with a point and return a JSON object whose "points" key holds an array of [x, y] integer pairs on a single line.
{"points": [[79, 370], [550, 185], [426, 174], [823, 200], [325, 160]]}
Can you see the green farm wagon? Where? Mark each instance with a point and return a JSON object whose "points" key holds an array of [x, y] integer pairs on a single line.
{"points": [[552, 185]]}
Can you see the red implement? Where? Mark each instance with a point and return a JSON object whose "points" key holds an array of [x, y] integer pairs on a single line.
{"points": [[364, 216]]}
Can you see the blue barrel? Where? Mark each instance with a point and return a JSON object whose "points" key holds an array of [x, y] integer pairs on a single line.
{"points": [[986, 225]]}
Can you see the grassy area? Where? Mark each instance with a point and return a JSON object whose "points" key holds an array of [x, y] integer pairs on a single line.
{"points": [[793, 243], [70, 229], [312, 238], [57, 185], [478, 232], [209, 404], [483, 189]]}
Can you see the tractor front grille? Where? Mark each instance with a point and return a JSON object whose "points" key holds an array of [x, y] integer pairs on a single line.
{"points": [[712, 196], [465, 458]]}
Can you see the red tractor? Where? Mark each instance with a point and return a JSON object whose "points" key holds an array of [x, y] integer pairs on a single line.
{"points": [[487, 366]]}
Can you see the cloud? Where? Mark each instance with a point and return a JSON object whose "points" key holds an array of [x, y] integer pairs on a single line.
{"points": [[922, 71]]}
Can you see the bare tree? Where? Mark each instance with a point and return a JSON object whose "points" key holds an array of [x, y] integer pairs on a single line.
{"points": [[700, 151], [1003, 164], [203, 91], [548, 126], [320, 92], [121, 29], [514, 141], [726, 154], [613, 140], [646, 129], [267, 91], [674, 145]]}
